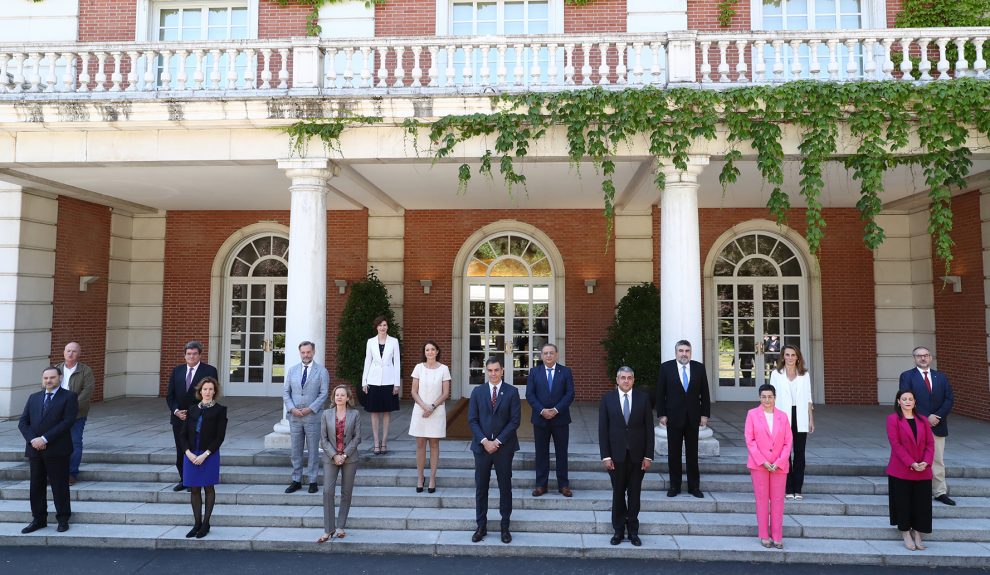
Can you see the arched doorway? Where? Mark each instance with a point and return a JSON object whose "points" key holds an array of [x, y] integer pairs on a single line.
{"points": [[760, 303], [509, 306], [253, 342]]}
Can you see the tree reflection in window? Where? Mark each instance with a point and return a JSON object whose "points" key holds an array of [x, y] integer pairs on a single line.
{"points": [[757, 255], [509, 255], [266, 256]]}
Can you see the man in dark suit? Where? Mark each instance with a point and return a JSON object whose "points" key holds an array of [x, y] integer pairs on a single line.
{"points": [[46, 425], [683, 404], [493, 414], [550, 391], [626, 440], [933, 397], [181, 394]]}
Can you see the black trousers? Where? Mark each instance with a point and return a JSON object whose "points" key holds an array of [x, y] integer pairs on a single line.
{"points": [[541, 437], [54, 470], [795, 475], [179, 453], [688, 435], [627, 484], [501, 460]]}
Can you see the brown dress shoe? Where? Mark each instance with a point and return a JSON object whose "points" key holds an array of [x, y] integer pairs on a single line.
{"points": [[539, 491], [566, 491], [72, 480]]}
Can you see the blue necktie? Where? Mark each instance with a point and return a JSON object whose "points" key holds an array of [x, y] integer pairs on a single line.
{"points": [[305, 372], [550, 379], [684, 377], [625, 407], [47, 404]]}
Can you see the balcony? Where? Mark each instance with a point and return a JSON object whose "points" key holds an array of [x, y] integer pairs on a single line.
{"points": [[481, 65]]}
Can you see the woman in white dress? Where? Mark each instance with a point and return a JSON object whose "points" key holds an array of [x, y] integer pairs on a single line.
{"points": [[381, 382], [430, 389], [793, 384]]}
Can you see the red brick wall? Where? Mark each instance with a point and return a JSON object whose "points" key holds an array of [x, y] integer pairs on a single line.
{"points": [[596, 17], [107, 21], [847, 294], [276, 21], [192, 239], [407, 18], [82, 248], [894, 7], [960, 318], [703, 15], [430, 251]]}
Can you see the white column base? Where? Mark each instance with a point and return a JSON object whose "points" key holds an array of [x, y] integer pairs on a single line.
{"points": [[708, 446]]}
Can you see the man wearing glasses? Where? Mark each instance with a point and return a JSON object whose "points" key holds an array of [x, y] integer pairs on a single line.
{"points": [[933, 395]]}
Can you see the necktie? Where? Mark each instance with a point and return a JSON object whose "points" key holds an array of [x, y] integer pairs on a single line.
{"points": [[305, 373], [494, 396], [189, 373], [684, 377], [625, 407], [47, 404], [928, 382], [550, 379]]}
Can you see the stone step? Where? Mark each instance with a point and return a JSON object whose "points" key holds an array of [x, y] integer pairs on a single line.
{"points": [[463, 498], [885, 551], [523, 520]]}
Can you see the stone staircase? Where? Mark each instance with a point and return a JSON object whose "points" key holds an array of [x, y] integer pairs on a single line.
{"points": [[126, 500]]}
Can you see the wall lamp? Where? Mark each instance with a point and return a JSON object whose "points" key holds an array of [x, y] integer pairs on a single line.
{"points": [[427, 284], [341, 285], [590, 284], [84, 282], [955, 282]]}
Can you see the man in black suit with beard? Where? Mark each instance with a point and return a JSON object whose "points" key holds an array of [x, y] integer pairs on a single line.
{"points": [[46, 425], [626, 442], [683, 404]]}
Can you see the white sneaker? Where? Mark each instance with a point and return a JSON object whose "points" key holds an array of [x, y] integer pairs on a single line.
{"points": [[789, 496]]}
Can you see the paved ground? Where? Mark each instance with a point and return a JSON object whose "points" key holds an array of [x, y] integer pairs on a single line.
{"points": [[844, 434], [32, 560]]}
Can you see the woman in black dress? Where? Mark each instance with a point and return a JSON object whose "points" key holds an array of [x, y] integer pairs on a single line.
{"points": [[202, 434]]}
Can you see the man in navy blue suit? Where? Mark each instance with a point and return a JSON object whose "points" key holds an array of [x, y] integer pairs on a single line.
{"points": [[181, 395], [550, 391], [493, 414], [46, 425], [933, 397]]}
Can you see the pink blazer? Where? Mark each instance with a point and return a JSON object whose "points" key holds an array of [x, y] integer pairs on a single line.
{"points": [[763, 445], [906, 449]]}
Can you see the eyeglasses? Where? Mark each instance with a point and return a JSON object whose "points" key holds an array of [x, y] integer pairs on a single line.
{"points": [[920, 355]]}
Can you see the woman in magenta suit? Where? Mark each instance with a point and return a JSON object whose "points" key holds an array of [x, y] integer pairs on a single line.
{"points": [[768, 441], [909, 473]]}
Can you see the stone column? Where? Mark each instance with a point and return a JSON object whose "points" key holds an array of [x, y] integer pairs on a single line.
{"points": [[307, 283], [680, 260]]}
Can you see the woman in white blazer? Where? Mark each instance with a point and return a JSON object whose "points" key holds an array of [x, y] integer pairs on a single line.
{"points": [[793, 384], [381, 381]]}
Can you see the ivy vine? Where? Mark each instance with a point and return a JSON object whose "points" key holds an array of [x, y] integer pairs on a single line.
{"points": [[726, 12], [879, 116]]}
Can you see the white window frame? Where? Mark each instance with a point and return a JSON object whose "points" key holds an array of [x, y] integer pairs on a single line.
{"points": [[555, 13], [147, 12], [874, 14]]}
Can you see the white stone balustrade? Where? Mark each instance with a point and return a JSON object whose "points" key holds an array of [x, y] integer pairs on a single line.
{"points": [[465, 65]]}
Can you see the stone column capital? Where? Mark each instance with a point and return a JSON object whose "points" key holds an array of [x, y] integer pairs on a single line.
{"points": [[695, 165], [302, 169]]}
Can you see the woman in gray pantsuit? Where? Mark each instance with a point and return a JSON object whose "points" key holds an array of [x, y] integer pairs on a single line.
{"points": [[340, 434]]}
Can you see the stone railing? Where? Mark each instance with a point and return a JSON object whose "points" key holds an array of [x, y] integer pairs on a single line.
{"points": [[465, 65]]}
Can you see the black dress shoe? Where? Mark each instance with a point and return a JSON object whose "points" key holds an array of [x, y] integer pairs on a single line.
{"points": [[293, 487], [479, 534], [63, 526], [203, 531], [178, 487], [193, 531], [419, 489], [34, 526], [506, 536], [616, 539], [313, 488], [635, 540], [673, 492], [697, 493], [944, 498]]}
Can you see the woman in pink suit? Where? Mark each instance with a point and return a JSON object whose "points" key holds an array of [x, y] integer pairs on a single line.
{"points": [[909, 473], [768, 441]]}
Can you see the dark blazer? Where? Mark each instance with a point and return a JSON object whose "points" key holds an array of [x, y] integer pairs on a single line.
{"points": [[615, 438], [938, 402], [176, 396], [906, 449], [540, 397], [54, 426], [678, 407], [211, 433], [500, 423]]}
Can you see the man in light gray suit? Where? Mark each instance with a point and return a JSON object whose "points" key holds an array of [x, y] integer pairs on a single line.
{"points": [[304, 392]]}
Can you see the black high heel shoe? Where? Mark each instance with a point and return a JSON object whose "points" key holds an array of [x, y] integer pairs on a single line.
{"points": [[419, 488], [203, 531], [434, 488], [194, 531]]}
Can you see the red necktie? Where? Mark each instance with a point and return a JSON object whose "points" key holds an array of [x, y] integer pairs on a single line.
{"points": [[928, 382], [494, 396]]}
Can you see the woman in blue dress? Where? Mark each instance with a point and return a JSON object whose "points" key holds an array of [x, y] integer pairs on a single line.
{"points": [[203, 433]]}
